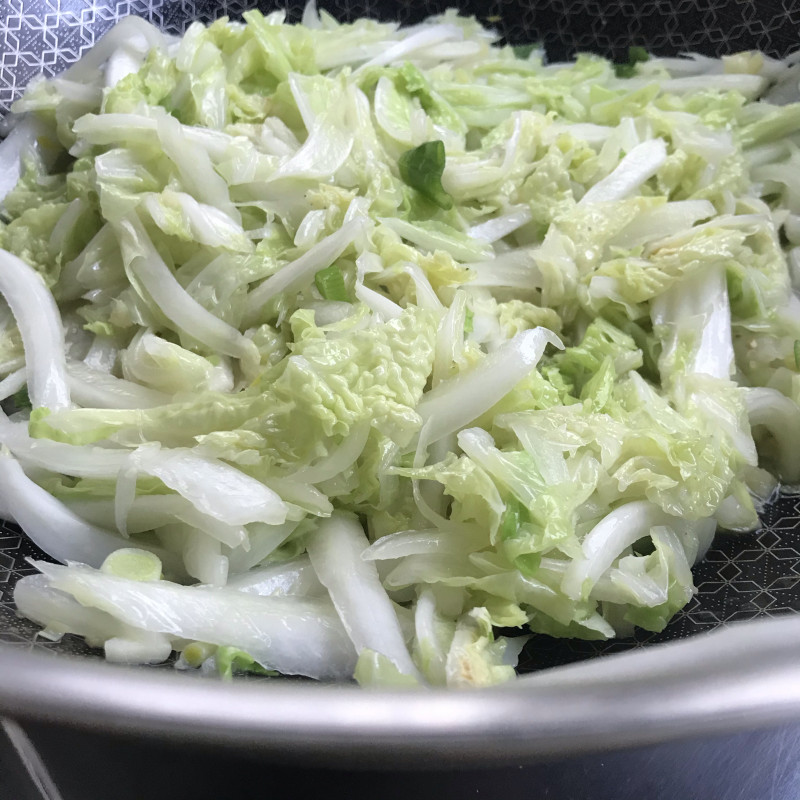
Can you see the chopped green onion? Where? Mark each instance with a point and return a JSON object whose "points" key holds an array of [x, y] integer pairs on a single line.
{"points": [[512, 517], [232, 659], [330, 283], [422, 169], [523, 51], [636, 55], [469, 321], [21, 399]]}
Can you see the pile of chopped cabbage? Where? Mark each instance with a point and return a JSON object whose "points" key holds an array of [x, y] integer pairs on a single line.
{"points": [[330, 349]]}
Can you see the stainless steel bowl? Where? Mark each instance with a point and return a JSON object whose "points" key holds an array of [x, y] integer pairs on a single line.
{"points": [[741, 678]]}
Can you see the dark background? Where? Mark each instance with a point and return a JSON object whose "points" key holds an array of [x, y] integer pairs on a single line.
{"points": [[761, 765]]}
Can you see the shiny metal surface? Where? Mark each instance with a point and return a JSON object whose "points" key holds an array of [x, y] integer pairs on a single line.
{"points": [[739, 678]]}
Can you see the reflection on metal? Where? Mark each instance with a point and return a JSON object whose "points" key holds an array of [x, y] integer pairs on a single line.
{"points": [[31, 760], [738, 678]]}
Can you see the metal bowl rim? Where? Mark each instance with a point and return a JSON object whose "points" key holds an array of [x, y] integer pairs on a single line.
{"points": [[683, 693]]}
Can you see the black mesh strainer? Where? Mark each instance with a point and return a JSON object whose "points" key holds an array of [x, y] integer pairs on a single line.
{"points": [[742, 577]]}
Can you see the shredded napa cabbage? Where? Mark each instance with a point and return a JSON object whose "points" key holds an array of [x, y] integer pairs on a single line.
{"points": [[329, 349]]}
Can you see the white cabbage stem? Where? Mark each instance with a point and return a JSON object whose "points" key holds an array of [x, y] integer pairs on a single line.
{"points": [[366, 611], [55, 529], [39, 323], [295, 636], [454, 403], [604, 543], [303, 269], [147, 268], [93, 388], [289, 577], [641, 163]]}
